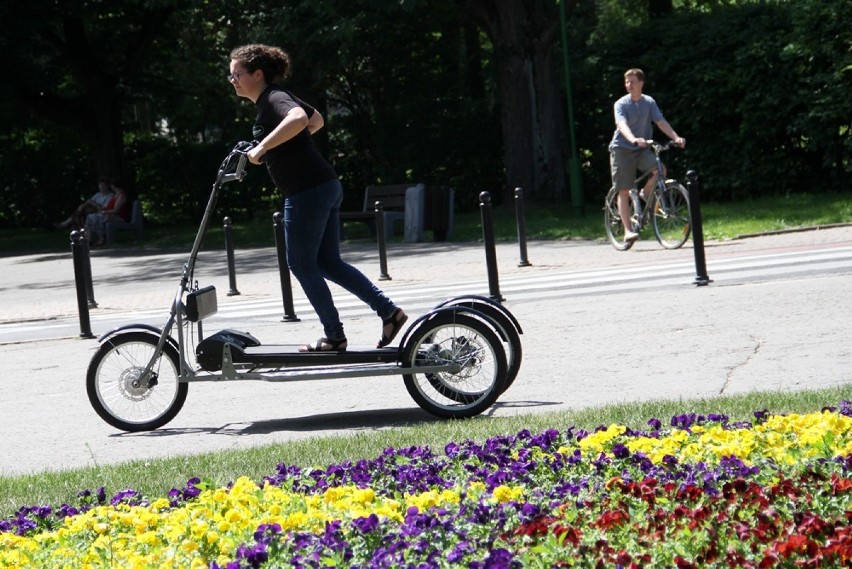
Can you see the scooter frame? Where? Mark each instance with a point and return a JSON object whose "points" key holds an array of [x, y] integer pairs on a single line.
{"points": [[455, 360]]}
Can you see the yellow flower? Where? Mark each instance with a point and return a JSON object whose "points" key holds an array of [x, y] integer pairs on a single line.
{"points": [[596, 441], [503, 494]]}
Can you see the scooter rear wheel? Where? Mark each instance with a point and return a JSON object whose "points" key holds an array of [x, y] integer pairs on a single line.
{"points": [[505, 324], [456, 338], [119, 393]]}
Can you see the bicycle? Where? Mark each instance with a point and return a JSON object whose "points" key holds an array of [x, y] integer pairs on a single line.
{"points": [[669, 204]]}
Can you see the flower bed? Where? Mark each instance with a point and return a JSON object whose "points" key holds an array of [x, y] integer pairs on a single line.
{"points": [[700, 492]]}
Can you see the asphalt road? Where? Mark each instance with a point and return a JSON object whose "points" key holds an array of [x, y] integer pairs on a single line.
{"points": [[600, 327]]}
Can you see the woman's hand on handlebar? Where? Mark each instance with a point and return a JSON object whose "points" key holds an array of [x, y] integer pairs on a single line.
{"points": [[255, 155]]}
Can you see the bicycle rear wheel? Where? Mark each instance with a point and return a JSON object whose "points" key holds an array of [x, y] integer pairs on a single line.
{"points": [[671, 215], [612, 222]]}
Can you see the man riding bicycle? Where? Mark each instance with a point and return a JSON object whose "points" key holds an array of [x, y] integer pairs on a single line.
{"points": [[635, 115]]}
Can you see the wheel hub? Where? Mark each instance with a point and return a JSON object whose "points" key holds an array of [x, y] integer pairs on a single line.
{"points": [[132, 386]]}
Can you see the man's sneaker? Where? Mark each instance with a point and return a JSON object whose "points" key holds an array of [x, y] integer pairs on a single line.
{"points": [[630, 236]]}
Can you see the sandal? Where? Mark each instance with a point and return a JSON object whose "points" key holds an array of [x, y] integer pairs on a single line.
{"points": [[395, 321], [325, 345]]}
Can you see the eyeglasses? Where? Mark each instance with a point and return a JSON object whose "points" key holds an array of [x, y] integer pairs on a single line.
{"points": [[236, 76]]}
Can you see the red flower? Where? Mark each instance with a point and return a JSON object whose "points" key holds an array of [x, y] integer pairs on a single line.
{"points": [[568, 534], [840, 485], [610, 518]]}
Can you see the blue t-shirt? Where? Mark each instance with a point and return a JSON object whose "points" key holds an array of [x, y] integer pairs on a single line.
{"points": [[639, 115]]}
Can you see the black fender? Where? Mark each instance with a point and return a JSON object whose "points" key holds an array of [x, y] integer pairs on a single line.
{"points": [[146, 328], [459, 308], [487, 305]]}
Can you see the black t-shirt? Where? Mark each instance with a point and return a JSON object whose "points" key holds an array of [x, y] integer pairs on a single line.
{"points": [[296, 165]]}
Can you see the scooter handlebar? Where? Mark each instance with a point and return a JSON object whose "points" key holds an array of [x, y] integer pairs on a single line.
{"points": [[239, 153]]}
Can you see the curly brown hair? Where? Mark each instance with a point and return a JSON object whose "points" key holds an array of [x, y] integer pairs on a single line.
{"points": [[273, 61]]}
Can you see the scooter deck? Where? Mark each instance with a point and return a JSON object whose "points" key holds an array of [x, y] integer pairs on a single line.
{"points": [[289, 354]]}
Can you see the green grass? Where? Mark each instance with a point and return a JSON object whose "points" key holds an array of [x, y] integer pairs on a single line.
{"points": [[155, 478], [543, 221]]}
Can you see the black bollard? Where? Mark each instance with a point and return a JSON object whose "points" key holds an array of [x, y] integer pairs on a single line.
{"points": [[77, 254], [229, 251], [693, 186], [87, 269], [380, 238], [490, 249], [522, 227], [283, 269]]}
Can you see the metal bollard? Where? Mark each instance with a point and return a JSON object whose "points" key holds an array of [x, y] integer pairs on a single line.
{"points": [[283, 269], [522, 227], [490, 249], [87, 269], [78, 253], [693, 186], [229, 251], [380, 238]]}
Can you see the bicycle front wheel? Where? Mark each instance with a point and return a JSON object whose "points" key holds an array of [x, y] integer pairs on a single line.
{"points": [[612, 222], [671, 215]]}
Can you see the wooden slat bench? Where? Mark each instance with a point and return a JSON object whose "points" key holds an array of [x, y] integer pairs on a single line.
{"points": [[393, 206]]}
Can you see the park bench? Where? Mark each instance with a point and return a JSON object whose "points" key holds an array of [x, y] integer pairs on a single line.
{"points": [[418, 206], [135, 224], [392, 198]]}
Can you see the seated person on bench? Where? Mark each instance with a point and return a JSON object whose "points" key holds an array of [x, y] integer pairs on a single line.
{"points": [[118, 207], [77, 220]]}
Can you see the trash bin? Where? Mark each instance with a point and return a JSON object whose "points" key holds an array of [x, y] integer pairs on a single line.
{"points": [[414, 203], [428, 208], [438, 211]]}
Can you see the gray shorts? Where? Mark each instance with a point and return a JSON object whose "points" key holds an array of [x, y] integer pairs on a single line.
{"points": [[624, 163]]}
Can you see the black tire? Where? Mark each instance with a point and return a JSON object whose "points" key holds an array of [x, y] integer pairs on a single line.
{"points": [[508, 330], [612, 221], [456, 337], [671, 216], [112, 383]]}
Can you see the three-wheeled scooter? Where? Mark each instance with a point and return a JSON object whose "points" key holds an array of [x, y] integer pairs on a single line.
{"points": [[455, 360]]}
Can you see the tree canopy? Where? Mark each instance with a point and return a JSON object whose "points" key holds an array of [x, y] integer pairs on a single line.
{"points": [[467, 93]]}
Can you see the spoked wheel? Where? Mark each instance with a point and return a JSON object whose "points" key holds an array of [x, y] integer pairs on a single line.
{"points": [[612, 222], [119, 393], [504, 323], [671, 216], [471, 347]]}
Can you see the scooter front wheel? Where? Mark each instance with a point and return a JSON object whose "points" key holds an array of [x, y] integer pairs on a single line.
{"points": [[121, 394], [472, 350]]}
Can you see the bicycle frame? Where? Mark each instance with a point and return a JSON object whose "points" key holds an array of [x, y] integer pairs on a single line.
{"points": [[659, 184]]}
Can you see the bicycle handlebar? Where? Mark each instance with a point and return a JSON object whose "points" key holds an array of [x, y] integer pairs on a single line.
{"points": [[658, 147]]}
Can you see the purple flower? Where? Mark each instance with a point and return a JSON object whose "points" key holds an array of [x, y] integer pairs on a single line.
{"points": [[620, 451], [366, 525]]}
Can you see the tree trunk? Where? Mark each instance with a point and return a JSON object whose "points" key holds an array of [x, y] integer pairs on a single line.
{"points": [[524, 35]]}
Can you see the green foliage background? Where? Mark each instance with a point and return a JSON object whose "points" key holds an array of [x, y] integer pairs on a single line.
{"points": [[759, 89]]}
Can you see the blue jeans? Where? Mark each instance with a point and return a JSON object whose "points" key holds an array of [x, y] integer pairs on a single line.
{"points": [[312, 233]]}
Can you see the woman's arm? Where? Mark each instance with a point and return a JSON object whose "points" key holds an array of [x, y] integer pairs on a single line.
{"points": [[315, 122], [294, 122]]}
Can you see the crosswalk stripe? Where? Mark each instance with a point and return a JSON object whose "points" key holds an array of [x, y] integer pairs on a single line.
{"points": [[515, 288]]}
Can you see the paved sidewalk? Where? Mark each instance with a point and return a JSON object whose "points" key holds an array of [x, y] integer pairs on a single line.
{"points": [[42, 287], [682, 341]]}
